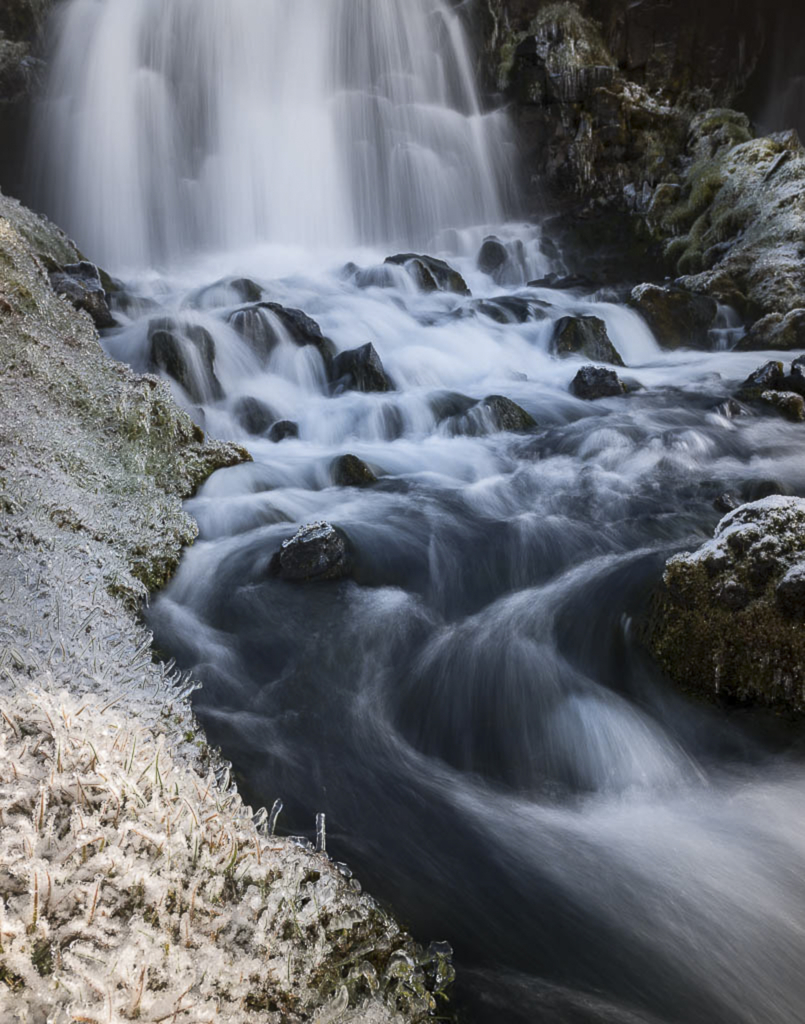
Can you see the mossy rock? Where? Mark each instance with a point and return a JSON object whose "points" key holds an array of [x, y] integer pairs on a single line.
{"points": [[725, 626]]}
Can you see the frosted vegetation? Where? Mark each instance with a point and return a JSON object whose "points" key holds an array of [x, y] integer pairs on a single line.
{"points": [[137, 890], [135, 883]]}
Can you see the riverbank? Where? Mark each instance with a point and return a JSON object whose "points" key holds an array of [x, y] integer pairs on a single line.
{"points": [[134, 882]]}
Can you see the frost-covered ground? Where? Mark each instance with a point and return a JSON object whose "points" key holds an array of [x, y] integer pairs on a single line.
{"points": [[134, 884]]}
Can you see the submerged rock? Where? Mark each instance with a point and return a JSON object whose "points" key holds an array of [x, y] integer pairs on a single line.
{"points": [[350, 471], [728, 622], [446, 404], [508, 415], [593, 382], [282, 430], [254, 415], [678, 319], [225, 292], [361, 369], [80, 283], [510, 309], [564, 282], [493, 257], [316, 552], [186, 352], [586, 336], [257, 324], [431, 274]]}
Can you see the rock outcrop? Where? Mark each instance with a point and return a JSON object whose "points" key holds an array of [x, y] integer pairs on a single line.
{"points": [[622, 111], [730, 622]]}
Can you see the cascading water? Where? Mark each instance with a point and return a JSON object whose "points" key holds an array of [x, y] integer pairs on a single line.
{"points": [[494, 752], [220, 123]]}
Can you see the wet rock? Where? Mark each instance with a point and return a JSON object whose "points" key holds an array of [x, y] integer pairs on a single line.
{"points": [[186, 353], [795, 381], [253, 415], [510, 309], [726, 502], [257, 324], [777, 332], [80, 283], [677, 318], [447, 404], [493, 257], [593, 382], [226, 292], [585, 336], [350, 471], [508, 415], [316, 553], [768, 377], [788, 403], [564, 282], [282, 430], [728, 622], [361, 369], [431, 274]]}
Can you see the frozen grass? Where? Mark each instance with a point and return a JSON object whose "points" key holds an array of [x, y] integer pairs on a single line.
{"points": [[134, 884]]}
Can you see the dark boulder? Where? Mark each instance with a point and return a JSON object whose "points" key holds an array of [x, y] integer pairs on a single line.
{"points": [[253, 415], [447, 404], [564, 283], [431, 274], [795, 381], [282, 430], [257, 324], [584, 336], [225, 292], [493, 257], [80, 283], [185, 352], [350, 471], [507, 415], [510, 309], [726, 503], [677, 318], [316, 553], [361, 369], [768, 377], [593, 382]]}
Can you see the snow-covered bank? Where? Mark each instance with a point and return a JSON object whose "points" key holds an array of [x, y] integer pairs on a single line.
{"points": [[133, 882]]}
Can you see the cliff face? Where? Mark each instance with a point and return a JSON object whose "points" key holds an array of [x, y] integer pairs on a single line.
{"points": [[22, 24], [609, 98]]}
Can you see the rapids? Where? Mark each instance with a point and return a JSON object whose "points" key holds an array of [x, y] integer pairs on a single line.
{"points": [[495, 753]]}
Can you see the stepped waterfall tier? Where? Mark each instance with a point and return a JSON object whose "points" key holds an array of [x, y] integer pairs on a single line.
{"points": [[402, 512]]}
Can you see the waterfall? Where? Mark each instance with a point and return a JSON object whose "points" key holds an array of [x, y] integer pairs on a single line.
{"points": [[171, 126]]}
